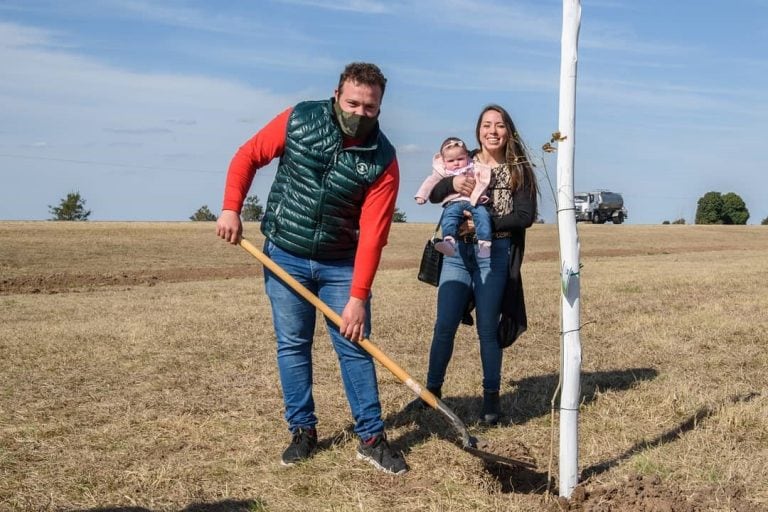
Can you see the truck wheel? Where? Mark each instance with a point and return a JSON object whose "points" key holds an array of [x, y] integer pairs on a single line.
{"points": [[595, 218], [618, 219]]}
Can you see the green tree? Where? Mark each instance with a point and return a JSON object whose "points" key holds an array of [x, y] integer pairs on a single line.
{"points": [[734, 209], [203, 214], [399, 216], [764, 222], [717, 208], [679, 221], [252, 210], [71, 207], [710, 209]]}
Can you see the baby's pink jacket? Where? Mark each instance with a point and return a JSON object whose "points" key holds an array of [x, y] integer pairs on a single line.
{"points": [[481, 172]]}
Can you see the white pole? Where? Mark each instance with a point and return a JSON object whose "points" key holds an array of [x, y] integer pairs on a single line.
{"points": [[570, 365]]}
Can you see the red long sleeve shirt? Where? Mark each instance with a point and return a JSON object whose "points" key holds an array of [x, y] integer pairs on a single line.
{"points": [[375, 215]]}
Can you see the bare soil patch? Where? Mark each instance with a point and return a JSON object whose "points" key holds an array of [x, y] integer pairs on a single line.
{"points": [[61, 282], [57, 282], [39, 257], [638, 493]]}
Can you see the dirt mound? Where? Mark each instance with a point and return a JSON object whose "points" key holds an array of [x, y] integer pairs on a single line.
{"points": [[650, 494], [511, 449], [59, 282]]}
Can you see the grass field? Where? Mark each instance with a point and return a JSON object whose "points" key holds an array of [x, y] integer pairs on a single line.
{"points": [[138, 374]]}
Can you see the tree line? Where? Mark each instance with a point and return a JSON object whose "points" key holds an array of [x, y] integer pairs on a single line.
{"points": [[712, 208]]}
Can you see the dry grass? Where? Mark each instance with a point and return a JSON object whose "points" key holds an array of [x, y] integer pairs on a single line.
{"points": [[138, 371]]}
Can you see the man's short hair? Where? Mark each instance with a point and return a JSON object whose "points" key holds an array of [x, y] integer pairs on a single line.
{"points": [[363, 73]]}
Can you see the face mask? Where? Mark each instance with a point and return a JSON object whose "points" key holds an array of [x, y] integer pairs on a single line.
{"points": [[354, 125]]}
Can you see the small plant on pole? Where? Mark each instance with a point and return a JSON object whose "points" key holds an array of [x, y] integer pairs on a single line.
{"points": [[71, 207]]}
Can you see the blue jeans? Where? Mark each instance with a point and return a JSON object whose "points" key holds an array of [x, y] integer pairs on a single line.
{"points": [[453, 215], [294, 322], [464, 275]]}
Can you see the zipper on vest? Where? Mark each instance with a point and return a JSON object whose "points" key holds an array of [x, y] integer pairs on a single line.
{"points": [[324, 192]]}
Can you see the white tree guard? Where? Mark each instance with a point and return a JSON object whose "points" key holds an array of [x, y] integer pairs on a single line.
{"points": [[570, 365]]}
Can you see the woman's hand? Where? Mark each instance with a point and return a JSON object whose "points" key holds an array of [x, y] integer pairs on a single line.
{"points": [[463, 184], [467, 227]]}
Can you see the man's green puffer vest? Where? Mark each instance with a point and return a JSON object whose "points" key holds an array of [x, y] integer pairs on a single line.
{"points": [[313, 208]]}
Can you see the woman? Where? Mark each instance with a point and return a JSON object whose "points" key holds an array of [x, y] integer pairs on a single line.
{"points": [[492, 283]]}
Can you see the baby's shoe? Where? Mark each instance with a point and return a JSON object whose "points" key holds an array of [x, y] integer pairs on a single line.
{"points": [[447, 246], [483, 248]]}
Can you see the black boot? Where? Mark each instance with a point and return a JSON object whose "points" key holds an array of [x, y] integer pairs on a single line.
{"points": [[491, 408], [438, 392]]}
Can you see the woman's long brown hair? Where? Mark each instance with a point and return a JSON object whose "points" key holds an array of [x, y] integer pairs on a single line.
{"points": [[516, 156]]}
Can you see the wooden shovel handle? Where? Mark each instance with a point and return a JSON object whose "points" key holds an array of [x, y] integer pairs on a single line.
{"points": [[313, 299]]}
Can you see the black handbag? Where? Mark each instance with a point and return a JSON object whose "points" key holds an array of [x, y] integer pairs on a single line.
{"points": [[431, 261]]}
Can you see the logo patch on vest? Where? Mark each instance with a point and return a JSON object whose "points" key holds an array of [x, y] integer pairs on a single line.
{"points": [[362, 168]]}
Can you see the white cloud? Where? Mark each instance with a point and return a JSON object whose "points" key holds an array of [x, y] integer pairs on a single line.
{"points": [[166, 13], [672, 100], [107, 132], [63, 87], [272, 58], [508, 20], [19, 36], [184, 122], [409, 148], [499, 78], [361, 6]]}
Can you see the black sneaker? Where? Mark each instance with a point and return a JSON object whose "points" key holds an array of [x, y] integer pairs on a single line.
{"points": [[380, 455], [301, 448]]}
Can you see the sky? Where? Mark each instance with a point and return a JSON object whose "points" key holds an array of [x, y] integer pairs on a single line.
{"points": [[139, 105]]}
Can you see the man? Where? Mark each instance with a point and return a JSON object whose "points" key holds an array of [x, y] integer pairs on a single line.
{"points": [[326, 222]]}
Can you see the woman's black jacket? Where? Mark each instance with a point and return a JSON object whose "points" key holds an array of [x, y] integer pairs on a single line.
{"points": [[513, 321]]}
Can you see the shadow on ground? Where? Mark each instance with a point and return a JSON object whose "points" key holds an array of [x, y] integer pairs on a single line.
{"points": [[529, 398], [219, 506], [671, 435]]}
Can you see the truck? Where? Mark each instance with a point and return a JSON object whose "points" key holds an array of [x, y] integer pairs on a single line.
{"points": [[599, 206]]}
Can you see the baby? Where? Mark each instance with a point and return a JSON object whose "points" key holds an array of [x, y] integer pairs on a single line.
{"points": [[453, 160]]}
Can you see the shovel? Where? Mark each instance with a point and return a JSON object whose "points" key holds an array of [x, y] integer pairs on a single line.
{"points": [[468, 442]]}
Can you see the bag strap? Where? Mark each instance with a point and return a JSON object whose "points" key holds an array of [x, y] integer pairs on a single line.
{"points": [[437, 226]]}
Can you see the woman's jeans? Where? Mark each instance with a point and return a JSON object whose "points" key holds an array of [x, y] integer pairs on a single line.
{"points": [[463, 276], [294, 322]]}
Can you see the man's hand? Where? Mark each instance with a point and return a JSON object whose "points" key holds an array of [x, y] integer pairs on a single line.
{"points": [[353, 320], [463, 184], [229, 227]]}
